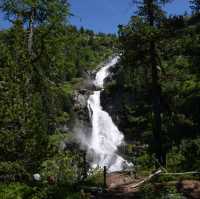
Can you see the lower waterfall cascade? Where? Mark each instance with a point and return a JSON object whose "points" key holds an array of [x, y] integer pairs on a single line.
{"points": [[105, 137]]}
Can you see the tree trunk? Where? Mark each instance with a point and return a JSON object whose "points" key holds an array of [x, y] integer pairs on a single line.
{"points": [[30, 35], [156, 93]]}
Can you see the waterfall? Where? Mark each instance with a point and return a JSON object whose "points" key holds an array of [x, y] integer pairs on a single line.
{"points": [[105, 137]]}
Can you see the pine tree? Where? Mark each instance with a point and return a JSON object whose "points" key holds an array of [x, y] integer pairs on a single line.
{"points": [[152, 13]]}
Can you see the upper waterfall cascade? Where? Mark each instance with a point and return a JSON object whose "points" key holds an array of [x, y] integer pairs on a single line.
{"points": [[105, 137]]}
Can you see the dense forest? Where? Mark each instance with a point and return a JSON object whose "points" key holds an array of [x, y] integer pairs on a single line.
{"points": [[152, 94]]}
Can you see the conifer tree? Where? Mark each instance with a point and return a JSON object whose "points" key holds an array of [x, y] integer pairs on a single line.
{"points": [[151, 11]]}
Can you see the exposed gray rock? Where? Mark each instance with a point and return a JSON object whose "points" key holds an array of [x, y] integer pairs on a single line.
{"points": [[80, 99]]}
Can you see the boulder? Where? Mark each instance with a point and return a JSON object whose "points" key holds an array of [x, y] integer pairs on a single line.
{"points": [[190, 188]]}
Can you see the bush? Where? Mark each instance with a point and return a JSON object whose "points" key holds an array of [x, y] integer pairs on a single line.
{"points": [[95, 177], [15, 191], [151, 191], [191, 151]]}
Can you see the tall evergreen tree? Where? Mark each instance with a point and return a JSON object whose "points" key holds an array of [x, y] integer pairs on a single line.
{"points": [[152, 13]]}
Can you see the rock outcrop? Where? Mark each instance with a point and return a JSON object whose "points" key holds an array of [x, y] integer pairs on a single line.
{"points": [[190, 188]]}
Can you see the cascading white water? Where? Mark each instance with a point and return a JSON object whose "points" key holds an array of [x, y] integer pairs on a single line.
{"points": [[105, 137]]}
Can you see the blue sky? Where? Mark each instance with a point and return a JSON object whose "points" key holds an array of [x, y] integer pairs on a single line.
{"points": [[105, 15]]}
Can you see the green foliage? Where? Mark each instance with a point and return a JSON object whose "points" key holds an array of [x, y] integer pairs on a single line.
{"points": [[42, 61], [95, 178], [23, 191], [174, 160], [144, 162], [54, 11], [190, 150], [15, 191], [12, 168], [63, 166], [150, 191]]}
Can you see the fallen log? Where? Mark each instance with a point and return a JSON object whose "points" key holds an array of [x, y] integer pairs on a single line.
{"points": [[147, 179], [163, 173], [183, 173]]}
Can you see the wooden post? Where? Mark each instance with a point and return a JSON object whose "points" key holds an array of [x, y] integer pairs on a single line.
{"points": [[104, 176], [84, 165]]}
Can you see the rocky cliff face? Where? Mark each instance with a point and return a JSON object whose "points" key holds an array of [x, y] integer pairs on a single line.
{"points": [[80, 98], [81, 124], [114, 100], [81, 95]]}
